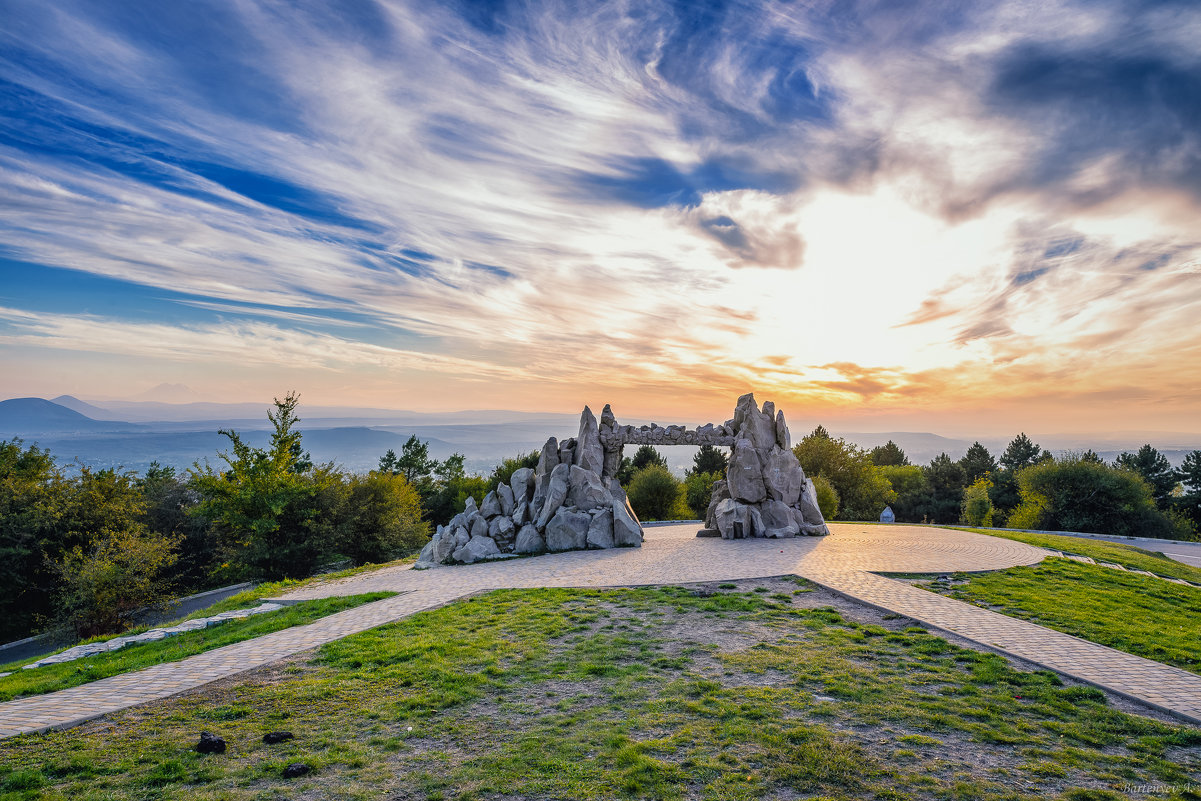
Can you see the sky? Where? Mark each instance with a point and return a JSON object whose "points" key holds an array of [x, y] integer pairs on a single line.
{"points": [[958, 217]]}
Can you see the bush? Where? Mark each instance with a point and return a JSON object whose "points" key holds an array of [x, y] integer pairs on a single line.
{"points": [[382, 519], [862, 490], [655, 494], [698, 491], [1076, 494], [912, 489], [827, 497], [977, 506]]}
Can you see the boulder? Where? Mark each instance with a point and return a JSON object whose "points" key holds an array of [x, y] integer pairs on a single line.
{"points": [[522, 485], [479, 527], [627, 531], [721, 491], [556, 493], [461, 535], [470, 508], [567, 451], [777, 520], [542, 486], [783, 438], [476, 549], [521, 515], [753, 424], [810, 511], [588, 451], [586, 490], [548, 459], [783, 476], [725, 515], [501, 529], [745, 474], [529, 541], [504, 494], [490, 508], [568, 530], [600, 530]]}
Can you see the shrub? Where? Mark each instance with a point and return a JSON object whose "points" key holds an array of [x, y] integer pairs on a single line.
{"points": [[827, 497], [862, 490], [655, 494], [698, 491], [977, 507], [382, 518]]}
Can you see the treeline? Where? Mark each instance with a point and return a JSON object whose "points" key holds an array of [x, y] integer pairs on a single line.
{"points": [[89, 552]]}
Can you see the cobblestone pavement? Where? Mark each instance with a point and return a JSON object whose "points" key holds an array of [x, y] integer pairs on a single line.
{"points": [[843, 562]]}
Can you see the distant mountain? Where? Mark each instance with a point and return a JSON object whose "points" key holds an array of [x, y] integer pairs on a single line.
{"points": [[83, 407], [32, 416], [168, 393]]}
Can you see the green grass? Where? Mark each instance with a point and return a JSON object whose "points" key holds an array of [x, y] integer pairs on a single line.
{"points": [[648, 693], [50, 678], [1141, 615], [1125, 555]]}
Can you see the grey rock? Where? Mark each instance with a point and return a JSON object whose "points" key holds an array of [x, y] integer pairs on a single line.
{"points": [[521, 515], [721, 491], [567, 530], [607, 421], [529, 541], [504, 494], [461, 535], [567, 451], [612, 462], [479, 527], [542, 486], [475, 550], [753, 424], [726, 515], [490, 508], [501, 530], [745, 474], [777, 520], [783, 438], [783, 476], [627, 531], [556, 493], [600, 530], [548, 459], [586, 490], [588, 451], [470, 508], [811, 513], [522, 484]]}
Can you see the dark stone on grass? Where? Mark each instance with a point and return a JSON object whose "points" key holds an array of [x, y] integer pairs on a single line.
{"points": [[210, 744], [296, 770], [274, 737]]}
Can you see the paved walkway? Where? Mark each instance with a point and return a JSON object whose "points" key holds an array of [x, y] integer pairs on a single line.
{"points": [[843, 562]]}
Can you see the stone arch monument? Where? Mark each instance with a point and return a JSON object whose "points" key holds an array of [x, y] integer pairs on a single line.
{"points": [[573, 501]]}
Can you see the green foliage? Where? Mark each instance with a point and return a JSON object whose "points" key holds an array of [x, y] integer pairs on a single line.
{"points": [[1127, 556], [977, 462], [1155, 469], [889, 455], [909, 483], [1072, 494], [709, 459], [1021, 453], [169, 498], [827, 497], [862, 490], [261, 506], [505, 470], [945, 481], [977, 506], [655, 494], [698, 491], [647, 455], [382, 519], [1189, 501]]}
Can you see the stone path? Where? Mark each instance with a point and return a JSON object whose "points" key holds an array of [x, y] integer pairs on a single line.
{"points": [[843, 562]]}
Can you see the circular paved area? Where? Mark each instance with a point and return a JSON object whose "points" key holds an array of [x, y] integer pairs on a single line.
{"points": [[674, 554]]}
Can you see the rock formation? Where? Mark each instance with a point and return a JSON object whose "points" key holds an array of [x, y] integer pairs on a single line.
{"points": [[572, 500]]}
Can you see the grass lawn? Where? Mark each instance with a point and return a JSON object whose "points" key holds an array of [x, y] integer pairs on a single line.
{"points": [[664, 693], [49, 678], [1141, 615], [1125, 555]]}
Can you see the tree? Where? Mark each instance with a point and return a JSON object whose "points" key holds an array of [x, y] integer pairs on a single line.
{"points": [[1155, 468], [505, 470], [1073, 494], [1188, 502], [710, 460], [977, 462], [863, 492], [381, 519], [820, 433], [910, 485], [977, 506], [647, 455], [32, 499], [945, 480], [261, 505], [414, 462], [655, 494], [1021, 452], [698, 491], [1091, 456], [889, 455], [169, 499]]}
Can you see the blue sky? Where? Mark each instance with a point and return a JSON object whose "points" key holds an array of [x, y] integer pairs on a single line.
{"points": [[977, 215]]}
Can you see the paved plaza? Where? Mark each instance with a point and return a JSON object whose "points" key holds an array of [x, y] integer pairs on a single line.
{"points": [[847, 562]]}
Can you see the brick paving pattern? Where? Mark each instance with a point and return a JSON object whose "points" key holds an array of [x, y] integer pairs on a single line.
{"points": [[843, 562]]}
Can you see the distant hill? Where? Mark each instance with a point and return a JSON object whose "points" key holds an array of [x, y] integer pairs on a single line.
{"points": [[25, 417], [84, 408]]}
